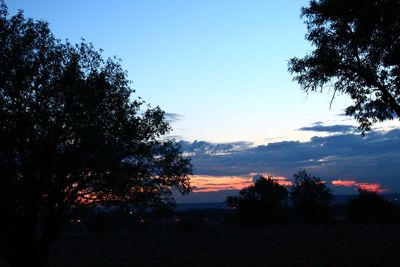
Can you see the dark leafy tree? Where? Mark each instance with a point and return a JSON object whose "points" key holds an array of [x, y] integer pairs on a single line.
{"points": [[370, 207], [262, 202], [310, 196], [356, 52], [72, 136]]}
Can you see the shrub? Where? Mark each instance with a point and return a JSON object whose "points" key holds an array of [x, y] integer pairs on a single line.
{"points": [[262, 202], [310, 197], [370, 207]]}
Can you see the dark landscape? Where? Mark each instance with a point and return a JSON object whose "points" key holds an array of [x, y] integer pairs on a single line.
{"points": [[202, 238], [271, 136]]}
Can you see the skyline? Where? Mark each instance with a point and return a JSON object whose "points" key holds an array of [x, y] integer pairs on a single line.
{"points": [[219, 71]]}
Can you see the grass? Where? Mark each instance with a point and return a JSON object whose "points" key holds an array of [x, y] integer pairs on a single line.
{"points": [[285, 245]]}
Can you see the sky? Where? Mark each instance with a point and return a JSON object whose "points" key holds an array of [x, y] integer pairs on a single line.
{"points": [[220, 65], [219, 70]]}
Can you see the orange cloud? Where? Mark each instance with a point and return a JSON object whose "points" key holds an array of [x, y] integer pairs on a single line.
{"points": [[207, 183], [282, 181], [374, 187], [345, 183], [279, 179]]}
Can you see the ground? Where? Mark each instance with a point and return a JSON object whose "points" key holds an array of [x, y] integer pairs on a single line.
{"points": [[306, 245], [214, 238]]}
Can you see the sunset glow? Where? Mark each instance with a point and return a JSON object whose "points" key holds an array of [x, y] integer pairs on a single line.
{"points": [[283, 181], [374, 187], [208, 183], [345, 183]]}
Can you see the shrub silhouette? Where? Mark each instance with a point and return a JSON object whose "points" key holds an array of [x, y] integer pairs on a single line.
{"points": [[310, 197], [262, 202], [370, 207]]}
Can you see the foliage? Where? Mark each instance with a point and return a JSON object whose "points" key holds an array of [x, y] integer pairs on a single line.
{"points": [[259, 203], [370, 207], [71, 135], [310, 196], [356, 52]]}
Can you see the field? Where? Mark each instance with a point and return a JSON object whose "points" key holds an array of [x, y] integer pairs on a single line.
{"points": [[212, 238], [278, 245]]}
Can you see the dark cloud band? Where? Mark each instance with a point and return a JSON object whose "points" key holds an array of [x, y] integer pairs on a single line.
{"points": [[371, 158]]}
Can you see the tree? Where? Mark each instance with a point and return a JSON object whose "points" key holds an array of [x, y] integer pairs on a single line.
{"points": [[71, 136], [259, 203], [310, 196], [370, 207], [356, 52]]}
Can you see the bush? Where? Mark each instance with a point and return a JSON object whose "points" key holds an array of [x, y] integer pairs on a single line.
{"points": [[370, 207], [310, 197], [262, 202]]}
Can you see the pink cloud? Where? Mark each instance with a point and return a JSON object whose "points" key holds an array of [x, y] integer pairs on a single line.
{"points": [[206, 183], [283, 181], [374, 187], [345, 183]]}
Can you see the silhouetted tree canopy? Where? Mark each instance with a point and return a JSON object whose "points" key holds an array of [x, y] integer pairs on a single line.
{"points": [[370, 207], [356, 52], [259, 203], [72, 135], [310, 196]]}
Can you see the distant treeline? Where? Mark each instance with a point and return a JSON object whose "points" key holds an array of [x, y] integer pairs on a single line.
{"points": [[307, 200]]}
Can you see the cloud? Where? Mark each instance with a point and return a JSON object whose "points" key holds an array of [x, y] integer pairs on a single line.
{"points": [[209, 184], [374, 187], [173, 137], [206, 183], [345, 183], [330, 128], [172, 117], [279, 179], [283, 181], [374, 158], [202, 148]]}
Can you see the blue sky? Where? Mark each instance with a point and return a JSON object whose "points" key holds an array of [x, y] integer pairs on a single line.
{"points": [[221, 65], [219, 68]]}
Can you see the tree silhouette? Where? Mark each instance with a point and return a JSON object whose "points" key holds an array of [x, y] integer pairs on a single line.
{"points": [[310, 196], [259, 203], [370, 207], [357, 44], [71, 135]]}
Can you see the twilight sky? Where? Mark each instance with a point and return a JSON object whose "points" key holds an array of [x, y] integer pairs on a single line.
{"points": [[219, 69], [220, 65]]}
